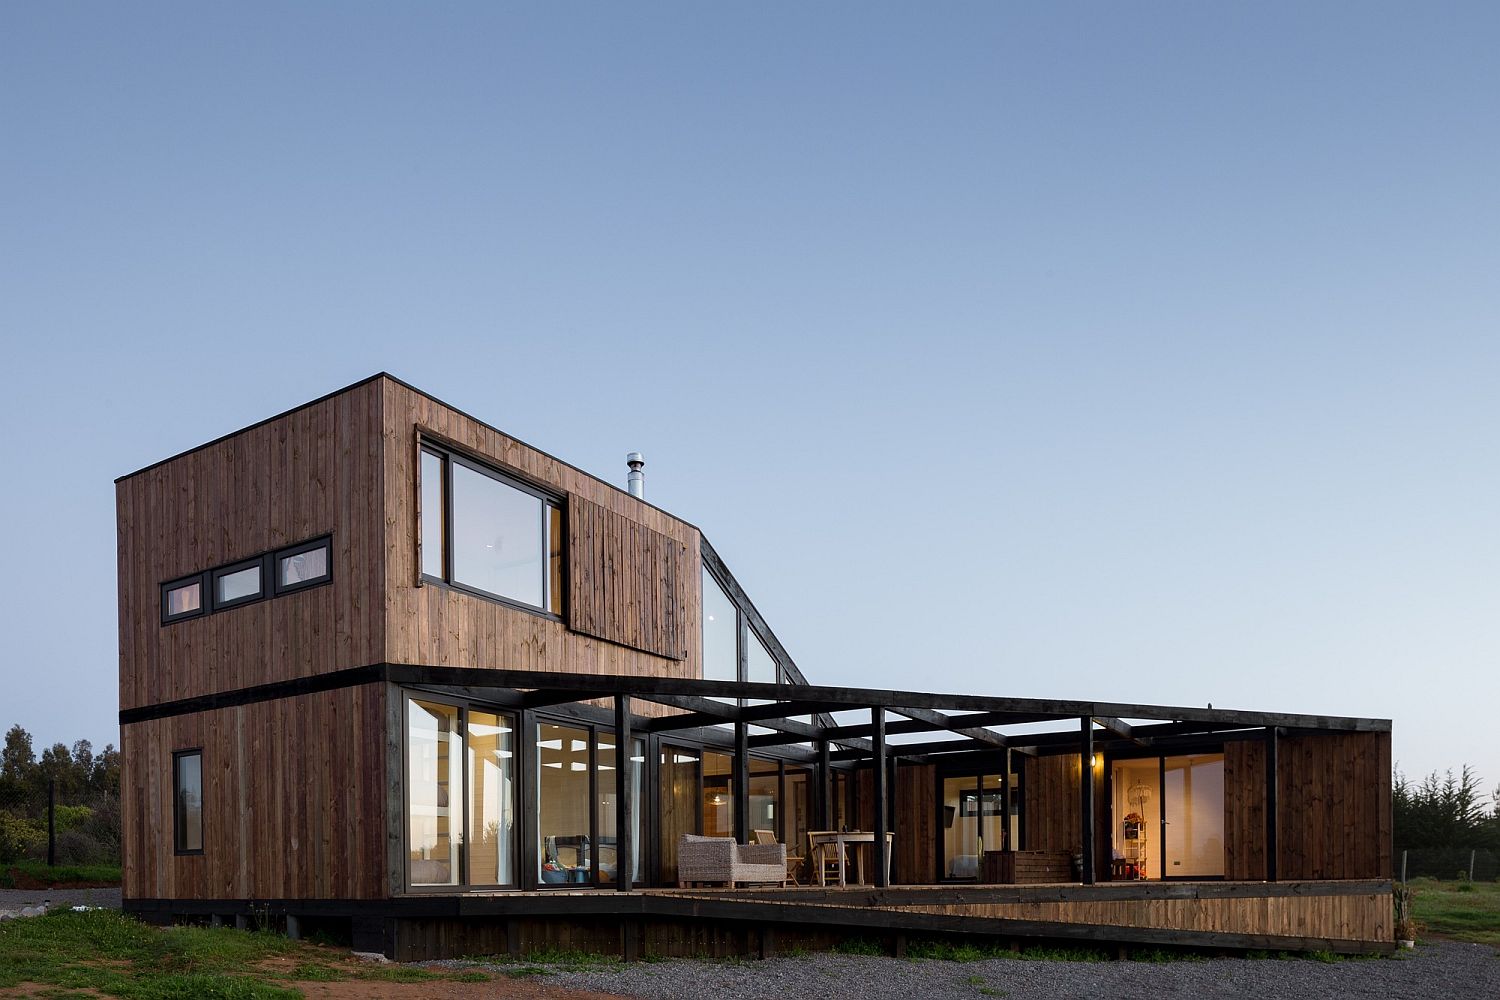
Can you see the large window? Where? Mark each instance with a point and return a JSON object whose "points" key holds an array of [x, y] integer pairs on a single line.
{"points": [[460, 796], [576, 796], [721, 633], [187, 802], [490, 534], [434, 793]]}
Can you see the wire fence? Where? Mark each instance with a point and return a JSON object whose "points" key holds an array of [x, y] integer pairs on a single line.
{"points": [[59, 825], [1474, 864]]}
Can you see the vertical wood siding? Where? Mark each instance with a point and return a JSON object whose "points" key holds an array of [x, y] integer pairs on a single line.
{"points": [[435, 625], [312, 472], [1051, 801], [627, 581], [294, 796]]}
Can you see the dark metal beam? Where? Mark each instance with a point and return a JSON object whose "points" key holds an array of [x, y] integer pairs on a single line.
{"points": [[651, 688], [741, 784], [882, 800], [1272, 767], [624, 804], [939, 719], [1086, 796], [1117, 726]]}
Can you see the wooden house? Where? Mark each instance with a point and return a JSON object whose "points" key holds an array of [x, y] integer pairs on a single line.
{"points": [[385, 669]]}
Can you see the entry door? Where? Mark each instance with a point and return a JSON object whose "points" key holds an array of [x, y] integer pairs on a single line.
{"points": [[1193, 816]]}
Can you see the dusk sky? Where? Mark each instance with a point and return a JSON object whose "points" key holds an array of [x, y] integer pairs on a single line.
{"points": [[1137, 352]]}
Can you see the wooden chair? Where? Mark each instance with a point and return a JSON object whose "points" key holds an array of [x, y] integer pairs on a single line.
{"points": [[822, 867], [793, 861]]}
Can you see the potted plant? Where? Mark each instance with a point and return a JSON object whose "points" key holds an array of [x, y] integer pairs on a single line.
{"points": [[1406, 924]]}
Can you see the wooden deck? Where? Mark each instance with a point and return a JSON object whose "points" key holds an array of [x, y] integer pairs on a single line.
{"points": [[1336, 916]]}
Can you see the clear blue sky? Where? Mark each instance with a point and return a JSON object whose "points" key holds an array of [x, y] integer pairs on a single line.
{"points": [[1121, 351]]}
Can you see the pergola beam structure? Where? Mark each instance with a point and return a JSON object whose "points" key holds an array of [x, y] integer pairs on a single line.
{"points": [[658, 689], [939, 719]]}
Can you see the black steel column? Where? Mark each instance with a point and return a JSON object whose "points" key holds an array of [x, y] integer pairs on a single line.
{"points": [[882, 850], [825, 787], [625, 872], [741, 783], [1086, 796], [1272, 766]]}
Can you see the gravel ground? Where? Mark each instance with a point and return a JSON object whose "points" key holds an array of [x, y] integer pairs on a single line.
{"points": [[15, 899], [1433, 970]]}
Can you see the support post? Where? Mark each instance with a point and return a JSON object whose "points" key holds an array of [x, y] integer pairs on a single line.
{"points": [[1086, 796], [825, 787], [741, 783], [51, 822], [1272, 767], [1004, 844], [624, 806], [882, 798]]}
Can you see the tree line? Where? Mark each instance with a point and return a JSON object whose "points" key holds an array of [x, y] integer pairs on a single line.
{"points": [[1445, 811], [87, 783]]}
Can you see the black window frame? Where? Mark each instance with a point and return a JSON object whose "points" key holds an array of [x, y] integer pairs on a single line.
{"points": [[215, 575], [205, 597], [550, 500], [279, 588], [518, 785], [177, 831]]}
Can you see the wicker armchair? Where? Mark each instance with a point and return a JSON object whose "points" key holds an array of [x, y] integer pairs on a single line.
{"points": [[720, 859]]}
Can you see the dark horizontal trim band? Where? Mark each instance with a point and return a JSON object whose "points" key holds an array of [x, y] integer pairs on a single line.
{"points": [[351, 677]]}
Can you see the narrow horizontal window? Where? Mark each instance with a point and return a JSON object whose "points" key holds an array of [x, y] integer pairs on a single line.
{"points": [[238, 584], [187, 802], [303, 566], [182, 599]]}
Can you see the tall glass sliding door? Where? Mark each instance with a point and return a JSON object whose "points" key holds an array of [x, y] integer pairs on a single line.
{"points": [[562, 793], [460, 796], [606, 795], [1168, 816], [678, 782], [1193, 794]]}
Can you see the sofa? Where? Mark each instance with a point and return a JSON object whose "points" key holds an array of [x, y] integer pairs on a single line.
{"points": [[720, 859]]}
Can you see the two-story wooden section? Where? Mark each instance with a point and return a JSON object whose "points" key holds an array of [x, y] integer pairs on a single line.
{"points": [[386, 669]]}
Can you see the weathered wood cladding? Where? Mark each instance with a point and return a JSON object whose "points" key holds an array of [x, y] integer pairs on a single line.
{"points": [[308, 473], [294, 800], [915, 848], [1051, 807], [627, 583], [438, 625], [1333, 817]]}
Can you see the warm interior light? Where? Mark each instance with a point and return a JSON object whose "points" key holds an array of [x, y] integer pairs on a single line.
{"points": [[1093, 760]]}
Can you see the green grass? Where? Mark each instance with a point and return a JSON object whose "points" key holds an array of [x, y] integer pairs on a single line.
{"points": [[62, 876], [1463, 911], [118, 956]]}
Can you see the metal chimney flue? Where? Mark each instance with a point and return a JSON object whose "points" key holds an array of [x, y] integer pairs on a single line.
{"points": [[637, 481]]}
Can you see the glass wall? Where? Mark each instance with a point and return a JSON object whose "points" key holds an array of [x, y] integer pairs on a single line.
{"points": [[677, 783], [562, 802], [765, 798], [718, 794], [760, 667], [1194, 798], [721, 629], [976, 818], [1136, 788], [606, 816], [434, 752], [492, 819]]}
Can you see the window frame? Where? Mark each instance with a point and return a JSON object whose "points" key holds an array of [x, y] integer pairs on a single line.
{"points": [[550, 500], [177, 832], [279, 588], [205, 597], [519, 785], [215, 575]]}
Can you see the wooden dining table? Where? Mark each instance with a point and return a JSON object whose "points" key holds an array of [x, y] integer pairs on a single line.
{"points": [[861, 842]]}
